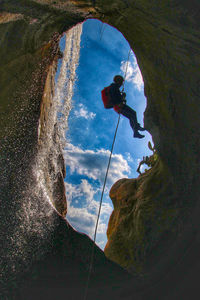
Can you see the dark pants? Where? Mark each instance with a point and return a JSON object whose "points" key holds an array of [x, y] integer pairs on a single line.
{"points": [[129, 113]]}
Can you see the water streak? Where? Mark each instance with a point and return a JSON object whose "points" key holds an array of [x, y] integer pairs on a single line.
{"points": [[64, 90], [32, 219], [57, 123]]}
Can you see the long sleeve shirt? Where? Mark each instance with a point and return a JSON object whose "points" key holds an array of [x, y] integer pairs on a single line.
{"points": [[115, 94]]}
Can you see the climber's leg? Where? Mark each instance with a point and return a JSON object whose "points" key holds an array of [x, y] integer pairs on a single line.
{"points": [[129, 113]]}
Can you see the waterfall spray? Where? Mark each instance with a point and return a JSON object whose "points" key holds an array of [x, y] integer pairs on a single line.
{"points": [[32, 220], [64, 89], [56, 125]]}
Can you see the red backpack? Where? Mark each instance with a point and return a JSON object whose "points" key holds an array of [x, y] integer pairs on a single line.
{"points": [[105, 94]]}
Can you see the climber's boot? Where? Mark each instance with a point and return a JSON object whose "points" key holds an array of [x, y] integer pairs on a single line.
{"points": [[140, 128], [138, 135]]}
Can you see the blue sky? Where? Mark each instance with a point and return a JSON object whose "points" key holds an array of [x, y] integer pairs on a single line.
{"points": [[103, 54]]}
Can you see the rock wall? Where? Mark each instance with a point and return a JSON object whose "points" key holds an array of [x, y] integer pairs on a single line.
{"points": [[145, 219], [52, 165], [163, 248]]}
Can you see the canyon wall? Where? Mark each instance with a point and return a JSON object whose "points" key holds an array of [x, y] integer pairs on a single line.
{"points": [[159, 229]]}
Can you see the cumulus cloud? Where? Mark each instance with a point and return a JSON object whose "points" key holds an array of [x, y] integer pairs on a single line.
{"points": [[93, 164], [129, 157], [82, 112], [81, 219], [84, 218], [133, 73], [82, 205], [86, 191]]}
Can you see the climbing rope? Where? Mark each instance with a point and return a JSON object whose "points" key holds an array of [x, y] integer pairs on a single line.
{"points": [[126, 68], [103, 27], [102, 193], [101, 200]]}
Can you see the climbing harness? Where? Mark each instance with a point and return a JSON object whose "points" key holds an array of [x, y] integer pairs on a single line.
{"points": [[101, 199]]}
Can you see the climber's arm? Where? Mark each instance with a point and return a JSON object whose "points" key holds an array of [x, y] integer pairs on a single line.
{"points": [[115, 94]]}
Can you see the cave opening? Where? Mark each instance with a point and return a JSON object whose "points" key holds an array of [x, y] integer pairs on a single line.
{"points": [[90, 130], [162, 233]]}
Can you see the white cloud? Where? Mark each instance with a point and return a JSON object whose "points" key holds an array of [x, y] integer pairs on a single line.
{"points": [[102, 227], [86, 191], [93, 164], [142, 168], [80, 217], [84, 113], [101, 243], [129, 157], [81, 220], [84, 218], [133, 73]]}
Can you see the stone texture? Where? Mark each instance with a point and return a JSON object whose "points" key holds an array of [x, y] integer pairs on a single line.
{"points": [[52, 162], [165, 39], [144, 212]]}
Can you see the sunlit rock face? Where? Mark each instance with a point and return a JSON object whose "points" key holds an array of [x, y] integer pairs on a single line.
{"points": [[159, 227], [144, 214]]}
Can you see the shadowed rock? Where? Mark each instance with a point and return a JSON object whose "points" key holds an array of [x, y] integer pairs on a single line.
{"points": [[163, 202]]}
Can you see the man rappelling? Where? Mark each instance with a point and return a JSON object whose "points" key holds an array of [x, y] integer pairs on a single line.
{"points": [[113, 98]]}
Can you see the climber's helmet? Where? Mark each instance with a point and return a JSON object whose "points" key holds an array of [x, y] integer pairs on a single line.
{"points": [[118, 79]]}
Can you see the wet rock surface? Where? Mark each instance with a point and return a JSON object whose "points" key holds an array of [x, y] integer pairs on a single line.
{"points": [[36, 241]]}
